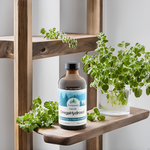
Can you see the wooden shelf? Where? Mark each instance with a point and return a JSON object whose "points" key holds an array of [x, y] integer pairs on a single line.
{"points": [[56, 135], [43, 48]]}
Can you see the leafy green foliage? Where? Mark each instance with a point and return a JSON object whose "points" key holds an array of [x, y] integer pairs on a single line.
{"points": [[100, 117], [36, 103], [53, 34], [96, 114], [39, 116], [96, 110], [131, 66], [148, 90]]}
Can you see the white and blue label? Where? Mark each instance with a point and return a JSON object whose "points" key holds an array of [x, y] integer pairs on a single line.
{"points": [[72, 107]]}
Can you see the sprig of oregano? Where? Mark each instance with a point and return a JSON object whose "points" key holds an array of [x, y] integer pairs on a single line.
{"points": [[95, 115], [130, 67], [39, 116], [53, 34]]}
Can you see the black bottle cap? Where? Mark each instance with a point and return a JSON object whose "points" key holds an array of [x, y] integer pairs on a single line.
{"points": [[72, 65]]}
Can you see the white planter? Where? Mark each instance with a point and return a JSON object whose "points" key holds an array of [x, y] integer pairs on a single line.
{"points": [[107, 107]]}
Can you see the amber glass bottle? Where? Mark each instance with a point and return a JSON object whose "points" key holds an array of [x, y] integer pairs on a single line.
{"points": [[72, 98]]}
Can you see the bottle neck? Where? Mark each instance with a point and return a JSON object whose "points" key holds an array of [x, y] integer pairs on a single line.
{"points": [[72, 72]]}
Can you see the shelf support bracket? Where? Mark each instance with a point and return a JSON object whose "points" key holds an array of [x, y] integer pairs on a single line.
{"points": [[22, 69]]}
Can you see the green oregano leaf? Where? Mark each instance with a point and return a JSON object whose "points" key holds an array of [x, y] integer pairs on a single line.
{"points": [[108, 96], [101, 117], [138, 92], [120, 45], [96, 110], [148, 90], [103, 59], [127, 44], [105, 87], [93, 74], [91, 117], [85, 68], [43, 31]]}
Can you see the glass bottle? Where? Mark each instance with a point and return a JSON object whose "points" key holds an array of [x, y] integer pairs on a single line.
{"points": [[72, 98]]}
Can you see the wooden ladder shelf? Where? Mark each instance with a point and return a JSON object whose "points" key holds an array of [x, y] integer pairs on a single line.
{"points": [[23, 48]]}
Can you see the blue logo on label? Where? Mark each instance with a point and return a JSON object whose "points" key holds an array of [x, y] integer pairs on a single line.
{"points": [[73, 102]]}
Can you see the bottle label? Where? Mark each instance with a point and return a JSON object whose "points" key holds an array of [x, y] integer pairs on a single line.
{"points": [[72, 107]]}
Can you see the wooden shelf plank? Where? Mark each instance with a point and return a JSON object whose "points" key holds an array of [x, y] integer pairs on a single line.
{"points": [[56, 135], [43, 48]]}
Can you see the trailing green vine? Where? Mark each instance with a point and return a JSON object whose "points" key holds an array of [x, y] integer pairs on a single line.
{"points": [[131, 67], [53, 34]]}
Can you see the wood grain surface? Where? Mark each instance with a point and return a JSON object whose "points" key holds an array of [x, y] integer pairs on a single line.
{"points": [[56, 135], [22, 69], [43, 48], [94, 16], [96, 142], [94, 25]]}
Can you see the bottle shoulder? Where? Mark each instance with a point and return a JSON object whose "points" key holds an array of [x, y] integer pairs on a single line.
{"points": [[71, 78], [72, 81]]}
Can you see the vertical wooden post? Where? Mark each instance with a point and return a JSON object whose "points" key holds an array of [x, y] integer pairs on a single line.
{"points": [[22, 68], [94, 25], [94, 16]]}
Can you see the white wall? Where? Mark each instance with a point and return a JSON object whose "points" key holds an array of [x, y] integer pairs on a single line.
{"points": [[6, 81], [73, 16], [46, 14], [129, 20]]}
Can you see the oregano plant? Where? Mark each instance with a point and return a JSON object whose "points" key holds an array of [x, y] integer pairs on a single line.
{"points": [[39, 116], [53, 34], [130, 67]]}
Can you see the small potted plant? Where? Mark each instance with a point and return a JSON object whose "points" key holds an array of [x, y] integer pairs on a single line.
{"points": [[115, 75]]}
